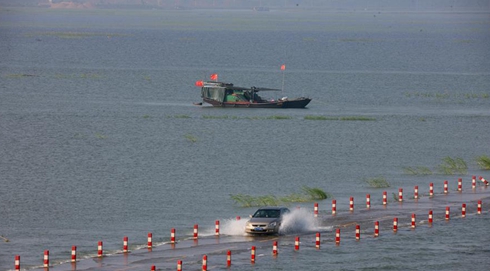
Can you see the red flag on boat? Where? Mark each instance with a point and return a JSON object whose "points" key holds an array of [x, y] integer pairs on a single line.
{"points": [[283, 67], [199, 83], [214, 77]]}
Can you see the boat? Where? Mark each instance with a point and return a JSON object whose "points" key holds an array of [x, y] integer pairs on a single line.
{"points": [[220, 94]]}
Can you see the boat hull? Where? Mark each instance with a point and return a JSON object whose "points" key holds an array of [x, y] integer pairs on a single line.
{"points": [[294, 103]]}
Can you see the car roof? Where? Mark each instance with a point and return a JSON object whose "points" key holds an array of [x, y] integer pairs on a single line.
{"points": [[272, 208]]}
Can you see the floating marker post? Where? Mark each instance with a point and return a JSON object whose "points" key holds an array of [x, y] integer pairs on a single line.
{"points": [[368, 201], [445, 187], [274, 248], [252, 254], [358, 232], [195, 231], [460, 184], [376, 229], [216, 228], [179, 265], [431, 189], [204, 263], [484, 181], [73, 254], [17, 263], [153, 268], [296, 243], [447, 212], [334, 207], [172, 236], [463, 210], [416, 192], [413, 221], [400, 194], [317, 240], [473, 182], [337, 237], [100, 251], [395, 224], [125, 244], [478, 210], [315, 209], [150, 240], [385, 198], [430, 216], [351, 204], [238, 218], [228, 258], [46, 258]]}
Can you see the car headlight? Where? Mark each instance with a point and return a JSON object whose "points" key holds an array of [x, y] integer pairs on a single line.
{"points": [[273, 224]]}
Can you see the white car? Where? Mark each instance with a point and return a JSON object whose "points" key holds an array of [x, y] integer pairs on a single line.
{"points": [[266, 220]]}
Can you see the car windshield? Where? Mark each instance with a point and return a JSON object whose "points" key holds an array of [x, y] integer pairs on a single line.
{"points": [[267, 213]]}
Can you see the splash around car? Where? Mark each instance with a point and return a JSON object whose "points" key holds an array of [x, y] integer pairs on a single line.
{"points": [[266, 220]]}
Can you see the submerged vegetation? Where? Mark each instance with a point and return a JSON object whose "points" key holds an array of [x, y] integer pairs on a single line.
{"points": [[308, 194], [449, 166], [378, 182], [417, 170], [345, 118], [190, 138], [73, 35], [452, 166], [483, 162], [447, 95]]}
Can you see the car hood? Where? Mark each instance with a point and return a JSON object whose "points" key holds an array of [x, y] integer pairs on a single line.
{"points": [[263, 220]]}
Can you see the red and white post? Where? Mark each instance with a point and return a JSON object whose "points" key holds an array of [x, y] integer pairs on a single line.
{"points": [[334, 207], [431, 189], [196, 227], [125, 244], [385, 198], [395, 224], [358, 232], [204, 263], [473, 182], [376, 229], [73, 254], [445, 187], [153, 268], [228, 258], [17, 263], [351, 204], [179, 265], [317, 240], [460, 184], [46, 258], [447, 212], [400, 194], [100, 250], [413, 221], [150, 240], [216, 228], [478, 209], [296, 243], [252, 254], [172, 236], [274, 248], [484, 181], [315, 209], [368, 201], [416, 192], [337, 237], [463, 210], [430, 217]]}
